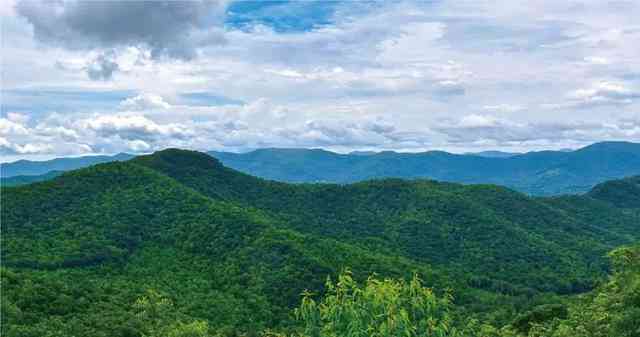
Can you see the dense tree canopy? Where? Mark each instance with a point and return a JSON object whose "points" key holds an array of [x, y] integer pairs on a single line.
{"points": [[175, 244]]}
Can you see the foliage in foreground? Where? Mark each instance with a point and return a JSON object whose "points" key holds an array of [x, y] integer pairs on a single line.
{"points": [[398, 308], [378, 308]]}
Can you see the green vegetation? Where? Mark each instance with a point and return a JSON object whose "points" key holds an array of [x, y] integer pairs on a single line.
{"points": [[175, 244], [379, 308], [612, 310]]}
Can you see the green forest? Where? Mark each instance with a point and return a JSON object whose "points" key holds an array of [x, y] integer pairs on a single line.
{"points": [[176, 244]]}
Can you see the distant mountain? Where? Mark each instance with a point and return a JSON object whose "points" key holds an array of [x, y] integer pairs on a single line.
{"points": [[623, 193], [32, 168], [362, 153], [494, 154], [23, 180], [536, 173]]}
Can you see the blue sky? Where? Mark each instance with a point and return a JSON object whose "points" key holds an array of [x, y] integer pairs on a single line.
{"points": [[281, 16], [85, 77]]}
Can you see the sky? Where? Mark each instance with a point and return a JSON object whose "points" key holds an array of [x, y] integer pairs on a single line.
{"points": [[88, 77]]}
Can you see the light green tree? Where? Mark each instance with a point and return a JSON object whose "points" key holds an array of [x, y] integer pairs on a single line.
{"points": [[375, 309], [160, 319]]}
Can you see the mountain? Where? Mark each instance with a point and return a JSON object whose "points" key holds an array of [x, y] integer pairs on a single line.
{"points": [[426, 220], [23, 180], [622, 193], [536, 173], [237, 251], [92, 241], [493, 154], [32, 168]]}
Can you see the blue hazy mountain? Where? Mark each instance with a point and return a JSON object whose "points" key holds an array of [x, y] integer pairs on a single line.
{"points": [[23, 180], [494, 154], [35, 168], [538, 173]]}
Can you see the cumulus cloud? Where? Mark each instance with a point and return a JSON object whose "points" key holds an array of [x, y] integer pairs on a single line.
{"points": [[133, 127], [8, 148], [145, 101], [12, 127], [18, 138], [599, 94], [102, 68], [449, 88], [329, 132], [604, 93], [490, 129], [17, 117], [167, 28], [503, 108]]}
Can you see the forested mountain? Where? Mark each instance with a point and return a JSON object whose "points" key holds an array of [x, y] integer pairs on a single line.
{"points": [[537, 173], [82, 253], [428, 220], [34, 168], [28, 179]]}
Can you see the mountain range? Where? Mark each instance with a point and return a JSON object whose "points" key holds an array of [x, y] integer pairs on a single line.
{"points": [[237, 250], [535, 173], [34, 168]]}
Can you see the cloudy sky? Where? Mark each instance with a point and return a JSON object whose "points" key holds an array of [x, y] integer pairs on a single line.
{"points": [[81, 77]]}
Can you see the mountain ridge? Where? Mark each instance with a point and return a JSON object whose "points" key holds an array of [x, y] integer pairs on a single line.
{"points": [[32, 168], [535, 173]]}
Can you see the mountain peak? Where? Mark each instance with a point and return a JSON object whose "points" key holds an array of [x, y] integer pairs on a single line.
{"points": [[172, 160], [615, 146], [624, 193]]}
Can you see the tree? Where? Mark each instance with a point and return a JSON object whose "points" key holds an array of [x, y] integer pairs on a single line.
{"points": [[377, 308], [159, 318], [612, 310]]}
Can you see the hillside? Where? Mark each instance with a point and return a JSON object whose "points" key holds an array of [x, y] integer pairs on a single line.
{"points": [[438, 223], [92, 241], [622, 193], [537, 173], [237, 251]]}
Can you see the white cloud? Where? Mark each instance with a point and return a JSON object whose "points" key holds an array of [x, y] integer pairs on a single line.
{"points": [[138, 145], [144, 102], [18, 138], [17, 117], [499, 131], [32, 148], [603, 93], [403, 75], [10, 127], [133, 127], [597, 60], [503, 108]]}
